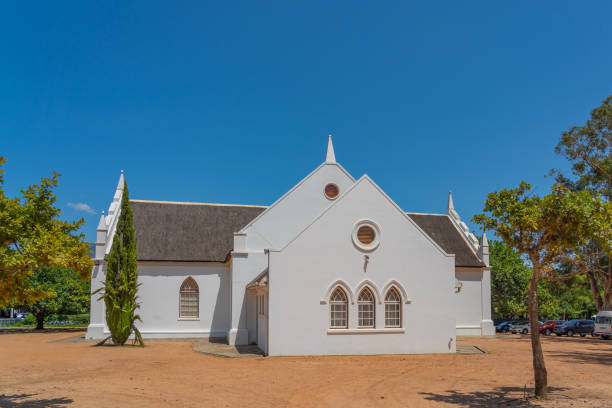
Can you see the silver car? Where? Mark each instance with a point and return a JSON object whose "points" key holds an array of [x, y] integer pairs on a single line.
{"points": [[522, 327]]}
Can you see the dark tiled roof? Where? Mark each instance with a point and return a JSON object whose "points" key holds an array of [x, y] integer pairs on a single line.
{"points": [[189, 232], [442, 230]]}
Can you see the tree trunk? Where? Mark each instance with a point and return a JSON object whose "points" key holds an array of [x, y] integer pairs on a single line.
{"points": [[607, 287], [40, 320], [595, 290], [539, 367]]}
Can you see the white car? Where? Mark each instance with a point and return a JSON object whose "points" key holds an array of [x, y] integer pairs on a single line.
{"points": [[522, 327], [603, 324]]}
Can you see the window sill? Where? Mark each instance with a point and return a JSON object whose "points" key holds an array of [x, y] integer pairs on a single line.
{"points": [[193, 319], [366, 331]]}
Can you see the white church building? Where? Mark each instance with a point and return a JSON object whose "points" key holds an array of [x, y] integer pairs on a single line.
{"points": [[334, 266]]}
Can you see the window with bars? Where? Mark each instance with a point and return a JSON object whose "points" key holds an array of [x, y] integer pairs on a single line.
{"points": [[261, 305], [366, 308], [393, 308], [338, 310], [190, 299]]}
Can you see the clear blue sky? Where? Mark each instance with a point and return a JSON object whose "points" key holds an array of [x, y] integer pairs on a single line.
{"points": [[233, 103]]}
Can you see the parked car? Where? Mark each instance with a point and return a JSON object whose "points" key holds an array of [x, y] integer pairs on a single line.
{"points": [[503, 327], [575, 326], [520, 327], [523, 327], [549, 326], [603, 324]]}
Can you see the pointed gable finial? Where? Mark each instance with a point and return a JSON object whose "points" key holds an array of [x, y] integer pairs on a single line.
{"points": [[483, 250], [330, 157], [450, 205], [102, 223], [118, 194], [121, 182], [484, 242]]}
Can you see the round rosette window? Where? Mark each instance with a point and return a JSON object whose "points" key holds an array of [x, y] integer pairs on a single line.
{"points": [[366, 235], [331, 191]]}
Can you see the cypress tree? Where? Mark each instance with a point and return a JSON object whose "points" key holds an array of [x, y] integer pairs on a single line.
{"points": [[122, 279]]}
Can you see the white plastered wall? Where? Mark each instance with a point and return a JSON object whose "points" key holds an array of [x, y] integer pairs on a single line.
{"points": [[273, 229], [97, 320], [468, 302], [302, 274], [159, 300]]}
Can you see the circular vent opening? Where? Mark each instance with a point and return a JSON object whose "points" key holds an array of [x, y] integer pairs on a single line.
{"points": [[366, 234], [331, 191]]}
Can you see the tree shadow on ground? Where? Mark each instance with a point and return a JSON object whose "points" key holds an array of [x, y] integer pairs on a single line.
{"points": [[597, 356], [588, 339], [501, 397], [25, 400]]}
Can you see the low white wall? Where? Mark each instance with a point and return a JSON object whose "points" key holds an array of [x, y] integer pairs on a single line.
{"points": [[473, 303], [159, 301], [159, 297], [468, 301]]}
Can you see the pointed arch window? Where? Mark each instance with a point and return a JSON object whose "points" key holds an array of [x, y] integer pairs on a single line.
{"points": [[366, 308], [393, 308], [338, 310], [189, 299]]}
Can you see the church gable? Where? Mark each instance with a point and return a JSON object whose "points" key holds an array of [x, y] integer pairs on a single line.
{"points": [[366, 219], [299, 206]]}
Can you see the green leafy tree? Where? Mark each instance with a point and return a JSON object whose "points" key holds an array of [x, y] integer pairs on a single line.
{"points": [[509, 281], [121, 284], [569, 299], [589, 149], [67, 293], [31, 235], [546, 230]]}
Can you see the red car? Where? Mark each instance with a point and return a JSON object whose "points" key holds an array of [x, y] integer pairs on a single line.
{"points": [[549, 326]]}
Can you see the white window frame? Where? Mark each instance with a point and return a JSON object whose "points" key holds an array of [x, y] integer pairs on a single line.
{"points": [[397, 304], [192, 291], [370, 304], [333, 308]]}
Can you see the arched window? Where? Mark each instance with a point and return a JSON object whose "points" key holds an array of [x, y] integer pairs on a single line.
{"points": [[338, 309], [366, 308], [393, 308], [190, 299]]}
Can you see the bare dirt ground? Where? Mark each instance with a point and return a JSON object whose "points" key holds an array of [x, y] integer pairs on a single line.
{"points": [[55, 370]]}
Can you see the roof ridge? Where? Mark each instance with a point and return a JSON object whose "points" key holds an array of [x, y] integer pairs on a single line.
{"points": [[193, 203], [417, 213]]}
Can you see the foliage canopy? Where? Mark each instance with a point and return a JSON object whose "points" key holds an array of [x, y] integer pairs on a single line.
{"points": [[66, 293], [31, 236], [589, 149], [547, 230]]}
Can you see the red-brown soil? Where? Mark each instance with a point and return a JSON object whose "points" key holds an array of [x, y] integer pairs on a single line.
{"points": [[37, 370]]}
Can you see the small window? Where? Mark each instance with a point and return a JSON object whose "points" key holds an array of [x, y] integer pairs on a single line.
{"points": [[393, 309], [331, 191], [366, 308], [366, 234], [190, 299], [261, 305], [338, 310]]}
